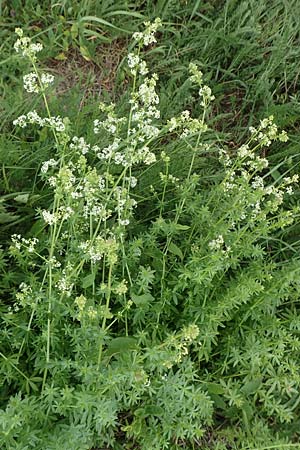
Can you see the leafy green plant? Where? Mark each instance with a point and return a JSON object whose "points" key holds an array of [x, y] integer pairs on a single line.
{"points": [[150, 301]]}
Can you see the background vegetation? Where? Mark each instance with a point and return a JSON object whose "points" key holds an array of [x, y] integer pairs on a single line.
{"points": [[239, 389]]}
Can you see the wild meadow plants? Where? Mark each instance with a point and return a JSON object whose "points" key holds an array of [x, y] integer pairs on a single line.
{"points": [[152, 309]]}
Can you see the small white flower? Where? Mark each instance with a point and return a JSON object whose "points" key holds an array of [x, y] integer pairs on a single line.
{"points": [[34, 118], [120, 159], [258, 182], [133, 60], [143, 69], [244, 151], [46, 79], [16, 240], [21, 121], [30, 82], [49, 218], [133, 182], [24, 45], [35, 48], [47, 164], [147, 36], [206, 94], [80, 145], [64, 286], [217, 243], [124, 222]]}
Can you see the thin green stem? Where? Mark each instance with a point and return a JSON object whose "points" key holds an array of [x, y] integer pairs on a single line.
{"points": [[105, 314], [14, 366]]}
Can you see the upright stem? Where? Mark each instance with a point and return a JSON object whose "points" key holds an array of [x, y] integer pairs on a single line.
{"points": [[105, 314]]}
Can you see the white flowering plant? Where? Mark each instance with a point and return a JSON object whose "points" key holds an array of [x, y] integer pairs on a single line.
{"points": [[143, 289]]}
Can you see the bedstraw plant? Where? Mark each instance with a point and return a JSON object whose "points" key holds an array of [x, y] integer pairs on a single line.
{"points": [[145, 315]]}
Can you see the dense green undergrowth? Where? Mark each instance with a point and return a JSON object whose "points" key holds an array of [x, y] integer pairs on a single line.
{"points": [[149, 259]]}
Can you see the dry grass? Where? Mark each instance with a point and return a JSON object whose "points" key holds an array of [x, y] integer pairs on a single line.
{"points": [[91, 77]]}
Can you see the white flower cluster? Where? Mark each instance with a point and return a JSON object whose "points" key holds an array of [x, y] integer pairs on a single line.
{"points": [[110, 152], [80, 302], [144, 110], [24, 296], [216, 244], [79, 144], [64, 285], [32, 117], [54, 263], [186, 125], [204, 91], [273, 194], [190, 332], [46, 164], [168, 178], [206, 94], [132, 181], [245, 152], [24, 45], [63, 213], [65, 180], [19, 242], [50, 218], [136, 64], [254, 200], [244, 168], [124, 205], [268, 132], [142, 155], [96, 210], [147, 37], [83, 311], [84, 191], [91, 190], [196, 74], [32, 83], [112, 123], [95, 250], [287, 183], [147, 94]]}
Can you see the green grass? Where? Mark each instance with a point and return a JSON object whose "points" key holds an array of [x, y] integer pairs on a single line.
{"points": [[249, 53]]}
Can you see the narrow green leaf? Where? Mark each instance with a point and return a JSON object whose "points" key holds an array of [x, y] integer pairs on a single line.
{"points": [[85, 53], [74, 30], [180, 227], [149, 410], [101, 22], [214, 388], [22, 198], [141, 300], [124, 13], [175, 250], [218, 401], [121, 344], [252, 386], [88, 280], [7, 217]]}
